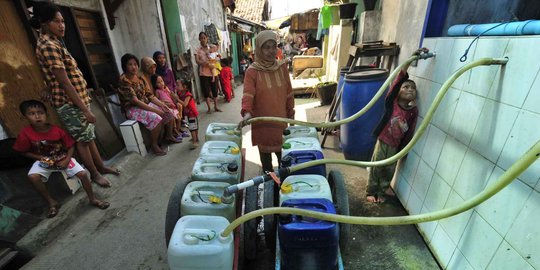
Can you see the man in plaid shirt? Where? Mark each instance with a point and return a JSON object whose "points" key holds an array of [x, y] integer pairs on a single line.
{"points": [[68, 93]]}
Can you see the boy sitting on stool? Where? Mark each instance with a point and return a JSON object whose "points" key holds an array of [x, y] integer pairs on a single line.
{"points": [[52, 149]]}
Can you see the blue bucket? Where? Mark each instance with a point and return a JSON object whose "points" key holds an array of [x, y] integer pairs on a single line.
{"points": [[359, 88], [308, 243]]}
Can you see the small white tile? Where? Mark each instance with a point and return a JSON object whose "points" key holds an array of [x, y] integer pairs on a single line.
{"points": [[523, 135], [502, 209], [512, 85], [481, 78], [479, 242], [435, 140], [414, 204], [445, 112], [473, 175], [442, 245], [409, 165], [459, 262], [426, 92], [533, 99], [524, 235], [507, 257], [466, 116], [427, 228], [419, 146], [454, 63], [437, 193], [441, 69], [450, 160], [422, 180], [455, 225], [495, 123], [403, 191]]}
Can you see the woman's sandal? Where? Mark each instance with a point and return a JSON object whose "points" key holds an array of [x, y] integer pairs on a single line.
{"points": [[53, 211], [101, 204]]}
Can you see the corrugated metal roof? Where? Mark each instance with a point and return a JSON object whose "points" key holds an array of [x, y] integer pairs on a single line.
{"points": [[251, 10]]}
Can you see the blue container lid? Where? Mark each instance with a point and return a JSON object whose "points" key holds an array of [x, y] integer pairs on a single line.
{"points": [[367, 75], [345, 70]]}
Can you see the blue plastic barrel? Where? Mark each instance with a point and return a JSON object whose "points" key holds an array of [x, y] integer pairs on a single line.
{"points": [[298, 157], [308, 243], [356, 137], [342, 72]]}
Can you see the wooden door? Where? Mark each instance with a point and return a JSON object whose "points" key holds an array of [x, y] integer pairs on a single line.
{"points": [[20, 76]]}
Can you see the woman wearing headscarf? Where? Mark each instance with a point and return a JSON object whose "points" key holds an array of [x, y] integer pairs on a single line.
{"points": [[267, 92], [140, 104], [163, 70], [148, 68]]}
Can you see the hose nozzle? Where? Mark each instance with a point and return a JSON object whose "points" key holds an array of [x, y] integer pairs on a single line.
{"points": [[427, 55]]}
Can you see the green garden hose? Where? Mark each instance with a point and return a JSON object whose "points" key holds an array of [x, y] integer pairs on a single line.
{"points": [[513, 172]]}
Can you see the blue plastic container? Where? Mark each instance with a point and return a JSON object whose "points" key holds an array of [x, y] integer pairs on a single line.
{"points": [[342, 72], [356, 137], [302, 156], [308, 243]]}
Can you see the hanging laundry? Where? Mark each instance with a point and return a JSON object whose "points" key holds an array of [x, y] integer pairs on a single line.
{"points": [[211, 32]]}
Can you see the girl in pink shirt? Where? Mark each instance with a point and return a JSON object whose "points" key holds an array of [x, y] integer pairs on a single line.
{"points": [[171, 100]]}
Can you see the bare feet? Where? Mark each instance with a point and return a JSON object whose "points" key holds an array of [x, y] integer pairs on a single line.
{"points": [[100, 204], [381, 199], [371, 199], [217, 110], [158, 151], [53, 210], [109, 170], [101, 181], [390, 192]]}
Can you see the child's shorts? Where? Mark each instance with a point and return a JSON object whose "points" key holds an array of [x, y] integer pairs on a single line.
{"points": [[73, 168], [193, 123]]}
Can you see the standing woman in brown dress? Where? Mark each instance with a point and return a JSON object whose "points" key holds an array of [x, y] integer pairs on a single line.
{"points": [[267, 92], [68, 90]]}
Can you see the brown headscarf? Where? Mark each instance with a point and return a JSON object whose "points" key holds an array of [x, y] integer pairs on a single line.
{"points": [[146, 63], [260, 63]]}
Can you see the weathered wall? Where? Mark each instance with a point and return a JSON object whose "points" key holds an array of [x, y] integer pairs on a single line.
{"points": [[402, 22], [86, 4], [138, 29], [196, 15]]}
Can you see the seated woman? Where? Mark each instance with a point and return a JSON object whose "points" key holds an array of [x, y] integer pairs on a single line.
{"points": [[141, 105]]}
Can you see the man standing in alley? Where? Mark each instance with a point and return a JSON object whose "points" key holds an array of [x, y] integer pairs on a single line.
{"points": [[68, 93]]}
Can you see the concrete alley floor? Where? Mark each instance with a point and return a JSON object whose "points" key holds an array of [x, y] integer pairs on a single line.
{"points": [[130, 234]]}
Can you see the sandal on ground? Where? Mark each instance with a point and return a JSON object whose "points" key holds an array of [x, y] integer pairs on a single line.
{"points": [[160, 153], [217, 110], [175, 140], [101, 204], [53, 211]]}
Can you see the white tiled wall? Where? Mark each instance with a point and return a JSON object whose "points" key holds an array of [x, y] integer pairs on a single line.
{"points": [[488, 119]]}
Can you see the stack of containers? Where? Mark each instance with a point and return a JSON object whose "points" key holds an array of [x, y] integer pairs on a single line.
{"points": [[196, 242], [306, 243]]}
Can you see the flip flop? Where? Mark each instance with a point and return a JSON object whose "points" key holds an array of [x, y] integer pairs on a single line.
{"points": [[53, 211], [101, 205]]}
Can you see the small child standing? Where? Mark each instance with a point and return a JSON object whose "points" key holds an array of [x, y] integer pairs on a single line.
{"points": [[214, 61], [227, 79], [393, 132], [171, 100], [52, 149], [190, 111]]}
